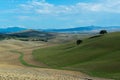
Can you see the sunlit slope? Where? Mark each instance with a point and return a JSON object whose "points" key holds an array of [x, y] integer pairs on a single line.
{"points": [[97, 56], [17, 44]]}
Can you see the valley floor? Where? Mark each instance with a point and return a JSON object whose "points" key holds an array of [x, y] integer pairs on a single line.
{"points": [[12, 69]]}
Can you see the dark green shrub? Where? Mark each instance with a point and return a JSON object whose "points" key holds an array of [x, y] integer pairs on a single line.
{"points": [[103, 32], [78, 42]]}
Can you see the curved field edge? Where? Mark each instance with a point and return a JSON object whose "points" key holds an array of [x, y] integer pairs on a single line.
{"points": [[21, 59], [97, 56]]}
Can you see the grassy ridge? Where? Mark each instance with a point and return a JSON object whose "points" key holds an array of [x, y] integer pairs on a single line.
{"points": [[97, 56]]}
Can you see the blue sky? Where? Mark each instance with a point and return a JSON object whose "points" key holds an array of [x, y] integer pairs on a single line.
{"points": [[59, 13]]}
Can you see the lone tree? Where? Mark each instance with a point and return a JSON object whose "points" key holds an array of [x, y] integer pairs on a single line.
{"points": [[78, 42], [103, 32]]}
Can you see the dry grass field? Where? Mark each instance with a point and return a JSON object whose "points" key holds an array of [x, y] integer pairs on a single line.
{"points": [[6, 46], [12, 69], [12, 72]]}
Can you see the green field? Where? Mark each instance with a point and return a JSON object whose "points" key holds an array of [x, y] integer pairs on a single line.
{"points": [[96, 56]]}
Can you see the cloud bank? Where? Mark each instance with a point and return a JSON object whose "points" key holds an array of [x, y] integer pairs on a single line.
{"points": [[42, 7]]}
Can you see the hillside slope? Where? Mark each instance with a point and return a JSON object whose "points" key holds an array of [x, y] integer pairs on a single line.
{"points": [[12, 69], [97, 56]]}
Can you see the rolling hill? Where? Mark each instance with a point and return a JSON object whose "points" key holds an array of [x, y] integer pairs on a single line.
{"points": [[28, 35], [31, 33], [97, 56]]}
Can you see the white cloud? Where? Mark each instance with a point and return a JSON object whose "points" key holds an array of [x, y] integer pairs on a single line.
{"points": [[47, 14], [42, 7], [111, 6]]}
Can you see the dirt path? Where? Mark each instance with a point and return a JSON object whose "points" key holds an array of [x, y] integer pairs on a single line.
{"points": [[28, 57]]}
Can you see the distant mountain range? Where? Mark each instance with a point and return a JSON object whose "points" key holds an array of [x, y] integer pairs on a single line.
{"points": [[85, 29], [11, 29], [77, 29]]}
